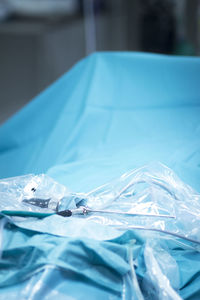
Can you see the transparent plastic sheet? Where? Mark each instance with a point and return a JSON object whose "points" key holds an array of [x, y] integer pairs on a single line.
{"points": [[48, 265], [152, 199], [53, 279], [161, 275], [14, 193], [149, 198], [160, 267]]}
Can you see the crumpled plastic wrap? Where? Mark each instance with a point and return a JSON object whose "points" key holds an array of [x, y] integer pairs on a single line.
{"points": [[149, 198], [160, 266], [162, 201], [147, 202], [14, 192]]}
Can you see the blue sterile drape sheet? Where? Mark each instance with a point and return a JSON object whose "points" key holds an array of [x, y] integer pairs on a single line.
{"points": [[110, 113]]}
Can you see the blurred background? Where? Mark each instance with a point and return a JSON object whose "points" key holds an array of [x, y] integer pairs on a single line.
{"points": [[42, 39]]}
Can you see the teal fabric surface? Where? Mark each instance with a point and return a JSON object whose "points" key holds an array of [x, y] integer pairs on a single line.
{"points": [[79, 265], [36, 265], [111, 113]]}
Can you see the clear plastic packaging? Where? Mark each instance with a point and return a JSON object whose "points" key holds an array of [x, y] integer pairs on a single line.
{"points": [[148, 198], [32, 193], [161, 268]]}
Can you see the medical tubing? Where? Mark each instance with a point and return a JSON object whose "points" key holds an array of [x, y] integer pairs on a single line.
{"points": [[69, 213], [157, 230], [88, 210]]}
